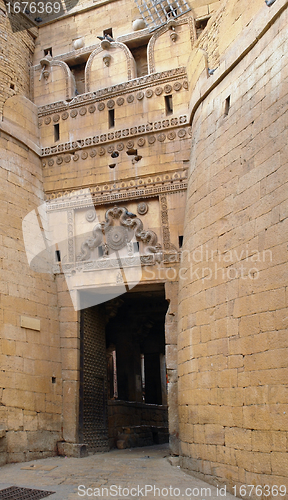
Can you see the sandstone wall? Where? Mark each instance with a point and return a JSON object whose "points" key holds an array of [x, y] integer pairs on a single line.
{"points": [[30, 376], [16, 57], [232, 344], [204, 8]]}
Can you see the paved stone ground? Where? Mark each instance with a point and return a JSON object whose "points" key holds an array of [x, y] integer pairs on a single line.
{"points": [[129, 469]]}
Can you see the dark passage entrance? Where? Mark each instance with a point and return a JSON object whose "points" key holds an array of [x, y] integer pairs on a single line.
{"points": [[137, 399], [123, 373]]}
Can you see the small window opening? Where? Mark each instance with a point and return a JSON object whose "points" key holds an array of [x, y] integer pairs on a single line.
{"points": [[140, 56], [48, 52], [113, 165], [136, 246], [57, 255], [171, 11], [131, 152], [168, 104], [109, 32], [200, 25], [111, 118], [12, 86], [115, 154], [78, 72], [53, 380], [180, 241], [136, 158], [227, 106], [56, 132]]}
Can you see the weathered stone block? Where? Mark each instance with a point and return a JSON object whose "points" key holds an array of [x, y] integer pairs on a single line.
{"points": [[72, 449]]}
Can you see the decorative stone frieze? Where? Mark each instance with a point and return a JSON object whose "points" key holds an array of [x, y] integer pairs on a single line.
{"points": [[142, 83], [124, 133], [109, 192]]}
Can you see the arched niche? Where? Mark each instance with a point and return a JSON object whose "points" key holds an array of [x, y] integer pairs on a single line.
{"points": [[109, 64], [51, 81], [175, 38]]}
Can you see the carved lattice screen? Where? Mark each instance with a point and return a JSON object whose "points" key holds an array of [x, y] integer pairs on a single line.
{"points": [[157, 12], [93, 424]]}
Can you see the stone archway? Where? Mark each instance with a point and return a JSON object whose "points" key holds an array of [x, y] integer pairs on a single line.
{"points": [[136, 414]]}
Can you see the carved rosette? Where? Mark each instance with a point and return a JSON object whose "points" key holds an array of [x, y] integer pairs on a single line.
{"points": [[149, 93], [142, 208], [117, 237], [110, 104], [120, 101], [90, 215], [168, 89]]}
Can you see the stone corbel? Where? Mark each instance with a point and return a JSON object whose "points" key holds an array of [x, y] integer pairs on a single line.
{"points": [[46, 67], [171, 25], [106, 58], [105, 44]]}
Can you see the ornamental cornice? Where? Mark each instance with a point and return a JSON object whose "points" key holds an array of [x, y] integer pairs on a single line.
{"points": [[120, 89], [122, 190], [141, 134]]}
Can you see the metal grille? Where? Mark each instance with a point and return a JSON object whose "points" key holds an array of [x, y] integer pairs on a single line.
{"points": [[15, 493], [157, 12], [93, 387]]}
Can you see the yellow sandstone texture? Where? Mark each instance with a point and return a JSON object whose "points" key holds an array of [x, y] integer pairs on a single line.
{"points": [[232, 326], [200, 158]]}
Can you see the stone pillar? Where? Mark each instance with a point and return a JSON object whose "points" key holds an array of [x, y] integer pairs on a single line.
{"points": [[171, 293]]}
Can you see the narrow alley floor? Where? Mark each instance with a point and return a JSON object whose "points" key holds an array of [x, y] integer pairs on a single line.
{"points": [[132, 473]]}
